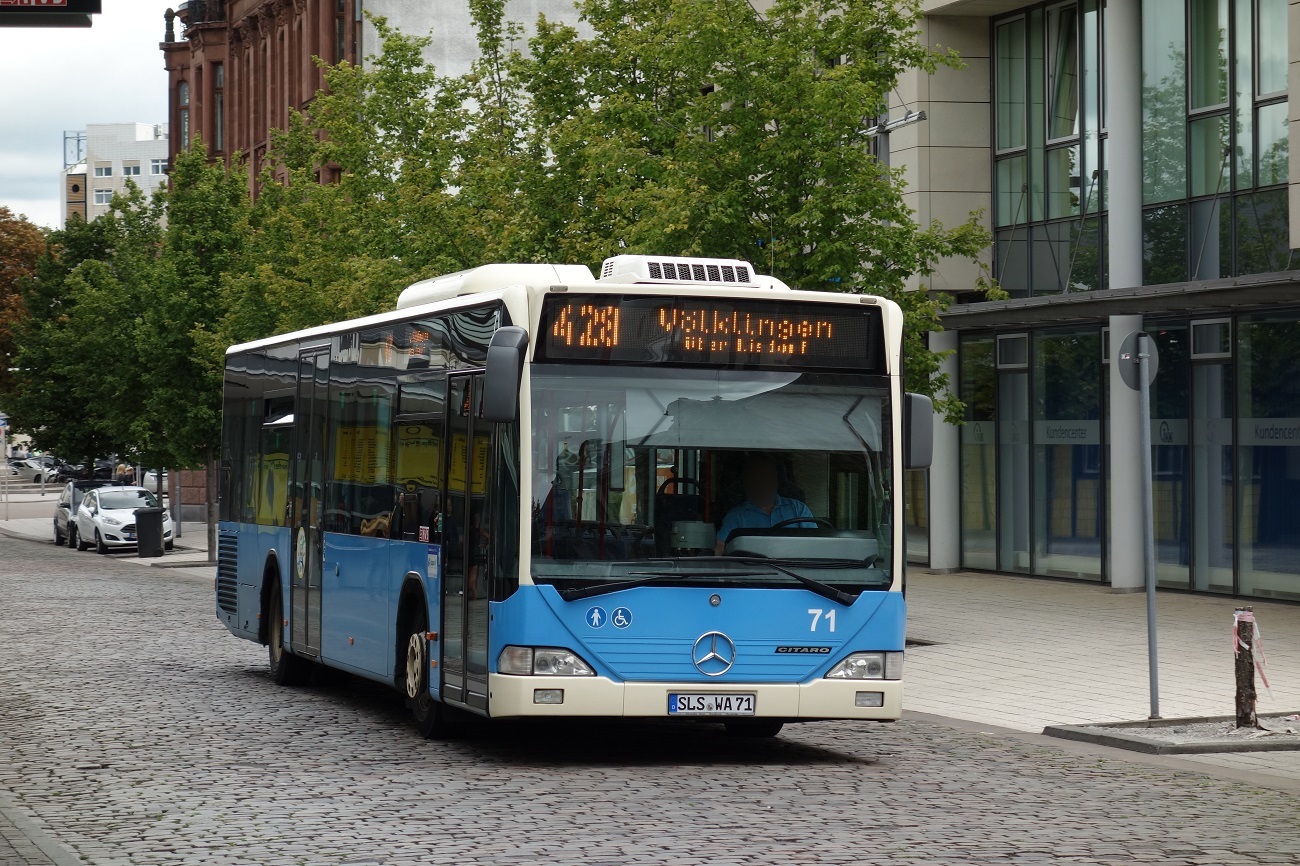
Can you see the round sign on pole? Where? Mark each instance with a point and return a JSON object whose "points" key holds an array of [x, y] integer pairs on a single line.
{"points": [[1128, 359]]}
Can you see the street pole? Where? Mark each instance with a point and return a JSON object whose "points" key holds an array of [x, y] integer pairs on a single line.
{"points": [[1148, 517]]}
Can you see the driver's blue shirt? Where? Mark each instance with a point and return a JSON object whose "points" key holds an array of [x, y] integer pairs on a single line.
{"points": [[747, 515]]}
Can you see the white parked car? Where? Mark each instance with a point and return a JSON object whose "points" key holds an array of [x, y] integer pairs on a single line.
{"points": [[151, 480], [33, 469], [106, 518]]}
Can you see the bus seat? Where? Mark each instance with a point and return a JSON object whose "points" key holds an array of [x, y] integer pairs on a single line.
{"points": [[671, 508]]}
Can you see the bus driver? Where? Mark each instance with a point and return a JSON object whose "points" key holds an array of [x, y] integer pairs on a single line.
{"points": [[763, 506]]}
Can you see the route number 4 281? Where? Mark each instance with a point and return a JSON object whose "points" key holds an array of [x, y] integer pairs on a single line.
{"points": [[818, 616]]}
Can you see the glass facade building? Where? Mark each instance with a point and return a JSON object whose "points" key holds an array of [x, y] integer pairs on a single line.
{"points": [[1033, 460], [1215, 152]]}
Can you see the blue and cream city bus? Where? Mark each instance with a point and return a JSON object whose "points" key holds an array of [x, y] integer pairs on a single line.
{"points": [[668, 492]]}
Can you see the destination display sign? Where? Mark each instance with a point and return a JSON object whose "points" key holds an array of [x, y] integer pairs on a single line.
{"points": [[723, 332]]}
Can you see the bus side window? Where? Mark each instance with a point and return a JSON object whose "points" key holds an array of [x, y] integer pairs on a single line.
{"points": [[417, 458]]}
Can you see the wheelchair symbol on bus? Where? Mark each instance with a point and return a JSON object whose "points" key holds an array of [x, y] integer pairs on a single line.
{"points": [[621, 617]]}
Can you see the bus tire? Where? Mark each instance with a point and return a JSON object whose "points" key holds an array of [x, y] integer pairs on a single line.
{"points": [[433, 720], [287, 669], [754, 727]]}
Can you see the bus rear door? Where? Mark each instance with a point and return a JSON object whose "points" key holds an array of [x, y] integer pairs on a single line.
{"points": [[306, 485]]}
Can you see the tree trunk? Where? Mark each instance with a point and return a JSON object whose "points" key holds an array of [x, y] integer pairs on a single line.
{"points": [[1245, 670], [211, 500], [174, 498]]}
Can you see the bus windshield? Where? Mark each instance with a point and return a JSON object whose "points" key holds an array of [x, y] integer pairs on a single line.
{"points": [[709, 477]]}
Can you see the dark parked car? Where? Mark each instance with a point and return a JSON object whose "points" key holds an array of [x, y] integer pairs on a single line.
{"points": [[65, 510], [77, 471]]}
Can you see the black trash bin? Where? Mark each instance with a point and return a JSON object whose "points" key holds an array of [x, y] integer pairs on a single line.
{"points": [[149, 531]]}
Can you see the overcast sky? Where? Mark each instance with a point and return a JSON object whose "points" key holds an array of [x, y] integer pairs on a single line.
{"points": [[52, 80]]}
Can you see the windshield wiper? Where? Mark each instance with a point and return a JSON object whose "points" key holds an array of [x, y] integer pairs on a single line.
{"points": [[816, 586], [646, 577]]}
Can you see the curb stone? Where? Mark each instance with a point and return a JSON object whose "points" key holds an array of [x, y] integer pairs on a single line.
{"points": [[56, 852], [1116, 734]]}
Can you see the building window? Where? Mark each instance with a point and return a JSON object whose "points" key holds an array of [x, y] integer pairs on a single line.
{"points": [[157, 166], [978, 454], [218, 107], [1010, 75], [1049, 145], [183, 100], [1067, 517], [340, 30], [103, 169], [130, 169], [1063, 71], [103, 196], [1215, 152], [1268, 455]]}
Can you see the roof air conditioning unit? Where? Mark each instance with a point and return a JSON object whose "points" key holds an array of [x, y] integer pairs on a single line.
{"points": [[675, 270]]}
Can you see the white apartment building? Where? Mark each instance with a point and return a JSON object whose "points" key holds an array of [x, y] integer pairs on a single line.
{"points": [[454, 45], [115, 153]]}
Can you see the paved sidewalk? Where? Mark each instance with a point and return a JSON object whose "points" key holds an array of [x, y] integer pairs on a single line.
{"points": [[1024, 653]]}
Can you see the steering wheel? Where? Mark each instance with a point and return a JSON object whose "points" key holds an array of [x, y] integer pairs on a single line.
{"points": [[678, 481], [820, 521]]}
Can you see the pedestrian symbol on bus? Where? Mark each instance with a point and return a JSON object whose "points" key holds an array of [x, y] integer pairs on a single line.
{"points": [[621, 617], [596, 617]]}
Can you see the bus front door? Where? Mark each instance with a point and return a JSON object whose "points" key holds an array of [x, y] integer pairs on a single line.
{"points": [[464, 545], [306, 503]]}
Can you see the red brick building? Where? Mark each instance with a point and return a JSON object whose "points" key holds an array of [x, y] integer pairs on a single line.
{"points": [[237, 67]]}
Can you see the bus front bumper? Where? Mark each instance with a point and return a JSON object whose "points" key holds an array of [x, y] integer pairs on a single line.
{"points": [[516, 696]]}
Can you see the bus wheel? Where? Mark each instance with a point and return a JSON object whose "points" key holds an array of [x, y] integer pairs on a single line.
{"points": [[287, 669], [431, 717], [755, 727]]}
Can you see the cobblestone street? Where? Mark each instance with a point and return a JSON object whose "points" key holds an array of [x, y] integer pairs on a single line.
{"points": [[135, 730]]}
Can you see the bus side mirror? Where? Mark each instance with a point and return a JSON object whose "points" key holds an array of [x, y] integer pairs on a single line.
{"points": [[505, 370], [918, 431]]}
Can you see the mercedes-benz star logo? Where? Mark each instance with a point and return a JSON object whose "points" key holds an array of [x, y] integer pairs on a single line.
{"points": [[714, 653]]}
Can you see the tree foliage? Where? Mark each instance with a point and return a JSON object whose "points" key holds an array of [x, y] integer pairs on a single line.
{"points": [[73, 383], [117, 352], [21, 246]]}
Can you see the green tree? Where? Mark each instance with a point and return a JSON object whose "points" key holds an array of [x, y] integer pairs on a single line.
{"points": [[21, 246], [180, 354], [357, 198], [705, 128], [74, 386]]}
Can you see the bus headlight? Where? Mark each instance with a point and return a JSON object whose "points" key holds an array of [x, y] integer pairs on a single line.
{"points": [[868, 666], [542, 661]]}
